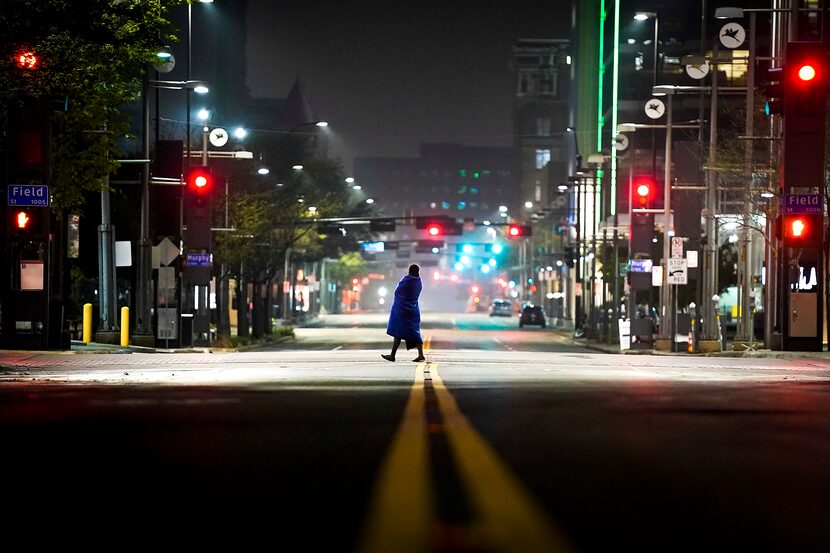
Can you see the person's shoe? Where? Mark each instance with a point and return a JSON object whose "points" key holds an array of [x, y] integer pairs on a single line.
{"points": [[388, 357], [419, 359]]}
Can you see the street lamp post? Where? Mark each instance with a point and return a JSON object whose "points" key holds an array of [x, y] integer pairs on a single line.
{"points": [[643, 16]]}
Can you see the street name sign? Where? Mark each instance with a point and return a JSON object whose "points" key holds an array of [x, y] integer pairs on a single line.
{"points": [[198, 260], [802, 204], [678, 271], [36, 195]]}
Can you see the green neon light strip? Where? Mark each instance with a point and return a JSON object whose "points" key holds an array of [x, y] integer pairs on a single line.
{"points": [[614, 104], [600, 118]]}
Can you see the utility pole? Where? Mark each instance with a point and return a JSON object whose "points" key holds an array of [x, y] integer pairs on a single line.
{"points": [[710, 332], [744, 331], [666, 330], [143, 288]]}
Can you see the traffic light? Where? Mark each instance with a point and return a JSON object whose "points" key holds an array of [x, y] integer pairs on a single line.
{"points": [[439, 225], [28, 223], [644, 192], [519, 231], [435, 229], [199, 184], [774, 90], [805, 92], [27, 59], [802, 229]]}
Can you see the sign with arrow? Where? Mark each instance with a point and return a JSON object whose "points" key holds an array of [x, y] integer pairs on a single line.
{"points": [[678, 271]]}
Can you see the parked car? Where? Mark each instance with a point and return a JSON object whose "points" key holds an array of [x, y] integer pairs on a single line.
{"points": [[532, 315], [501, 308]]}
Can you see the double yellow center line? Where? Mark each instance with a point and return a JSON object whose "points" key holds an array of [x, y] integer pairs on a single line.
{"points": [[403, 516]]}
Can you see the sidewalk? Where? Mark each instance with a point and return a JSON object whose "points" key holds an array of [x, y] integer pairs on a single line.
{"points": [[760, 353]]}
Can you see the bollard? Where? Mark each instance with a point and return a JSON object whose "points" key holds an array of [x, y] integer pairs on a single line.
{"points": [[87, 337], [125, 326]]}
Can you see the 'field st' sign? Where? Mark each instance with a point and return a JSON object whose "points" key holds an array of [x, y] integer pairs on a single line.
{"points": [[802, 204], [36, 195]]}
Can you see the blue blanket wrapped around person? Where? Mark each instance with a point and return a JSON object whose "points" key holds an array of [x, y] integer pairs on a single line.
{"points": [[405, 317]]}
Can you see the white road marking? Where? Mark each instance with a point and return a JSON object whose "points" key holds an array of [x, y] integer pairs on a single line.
{"points": [[337, 348]]}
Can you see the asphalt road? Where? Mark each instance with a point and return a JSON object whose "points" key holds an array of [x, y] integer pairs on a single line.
{"points": [[505, 440]]}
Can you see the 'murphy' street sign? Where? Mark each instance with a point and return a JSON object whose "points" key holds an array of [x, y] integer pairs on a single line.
{"points": [[28, 195]]}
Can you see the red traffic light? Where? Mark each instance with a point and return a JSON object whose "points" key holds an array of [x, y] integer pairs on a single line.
{"points": [[27, 59], [22, 220], [434, 229], [797, 228], [474, 289], [803, 229], [807, 72], [199, 179], [519, 231], [644, 188]]}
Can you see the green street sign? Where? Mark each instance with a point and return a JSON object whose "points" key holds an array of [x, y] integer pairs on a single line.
{"points": [[623, 269]]}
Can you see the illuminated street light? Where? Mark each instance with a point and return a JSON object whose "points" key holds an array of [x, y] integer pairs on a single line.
{"points": [[297, 167], [203, 114], [263, 171], [350, 180], [370, 201], [322, 123], [240, 133]]}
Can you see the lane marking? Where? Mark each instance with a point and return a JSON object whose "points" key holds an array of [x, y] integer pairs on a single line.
{"points": [[510, 519], [401, 511], [428, 342], [337, 348]]}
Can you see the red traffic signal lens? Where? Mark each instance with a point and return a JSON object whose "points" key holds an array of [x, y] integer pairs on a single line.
{"points": [[797, 228], [22, 220], [434, 230], [643, 190], [806, 72], [199, 180], [475, 289], [514, 230], [27, 59]]}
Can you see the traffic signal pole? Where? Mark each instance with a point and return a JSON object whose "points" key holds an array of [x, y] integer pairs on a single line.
{"points": [[143, 323]]}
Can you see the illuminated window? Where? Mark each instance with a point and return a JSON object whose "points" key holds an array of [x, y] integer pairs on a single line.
{"points": [[542, 157]]}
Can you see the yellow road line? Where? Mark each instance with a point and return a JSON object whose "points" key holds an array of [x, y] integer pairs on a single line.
{"points": [[508, 517], [428, 342], [400, 515]]}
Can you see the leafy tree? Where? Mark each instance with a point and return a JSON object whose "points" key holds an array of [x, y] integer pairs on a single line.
{"points": [[92, 54]]}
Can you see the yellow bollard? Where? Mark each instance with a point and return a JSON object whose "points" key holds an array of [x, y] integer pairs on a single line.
{"points": [[125, 326], [87, 323]]}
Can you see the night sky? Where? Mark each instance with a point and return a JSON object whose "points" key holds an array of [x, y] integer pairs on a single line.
{"points": [[391, 75]]}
